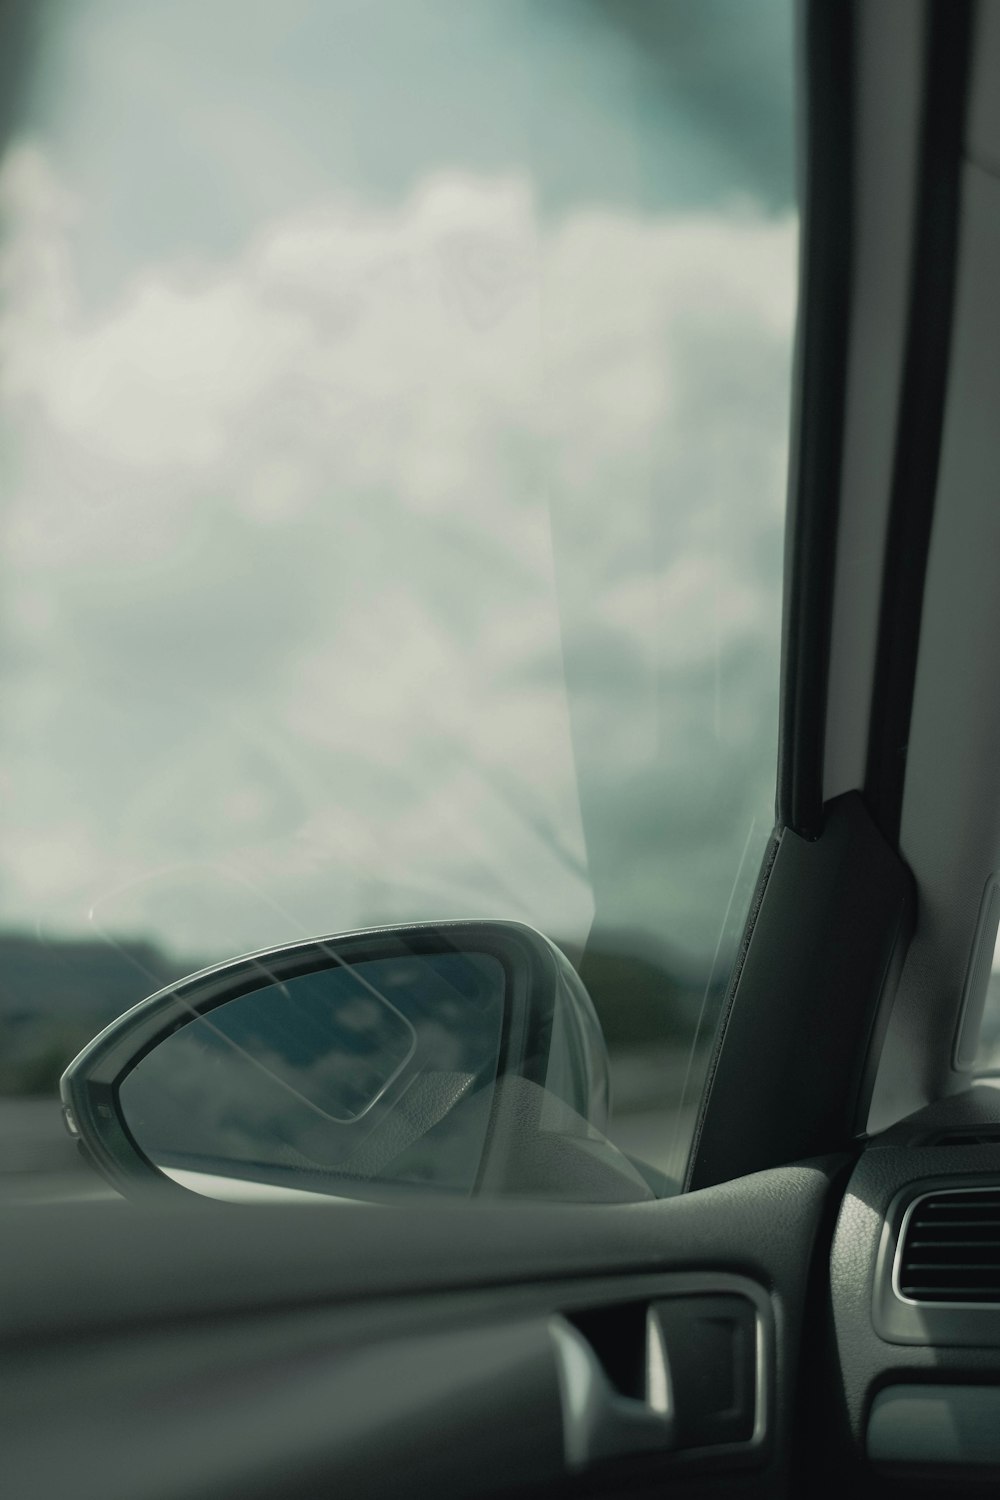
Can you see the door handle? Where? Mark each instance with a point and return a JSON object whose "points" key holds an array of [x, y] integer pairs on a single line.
{"points": [[600, 1422]]}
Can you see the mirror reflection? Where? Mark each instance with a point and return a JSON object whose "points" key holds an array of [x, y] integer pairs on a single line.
{"points": [[379, 1071]]}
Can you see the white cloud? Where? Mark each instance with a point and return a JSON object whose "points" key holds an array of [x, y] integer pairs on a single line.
{"points": [[299, 540]]}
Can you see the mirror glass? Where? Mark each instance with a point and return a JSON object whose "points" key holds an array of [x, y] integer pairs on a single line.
{"points": [[379, 1071]]}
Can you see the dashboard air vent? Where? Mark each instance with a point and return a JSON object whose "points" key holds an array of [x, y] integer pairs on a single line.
{"points": [[950, 1248], [987, 1135]]}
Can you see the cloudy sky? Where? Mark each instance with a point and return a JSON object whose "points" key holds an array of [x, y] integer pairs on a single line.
{"points": [[394, 403]]}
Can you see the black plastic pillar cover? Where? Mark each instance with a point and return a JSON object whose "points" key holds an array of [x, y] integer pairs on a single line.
{"points": [[826, 157], [797, 1049]]}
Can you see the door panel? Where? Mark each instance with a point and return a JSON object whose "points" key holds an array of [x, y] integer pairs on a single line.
{"points": [[215, 1350]]}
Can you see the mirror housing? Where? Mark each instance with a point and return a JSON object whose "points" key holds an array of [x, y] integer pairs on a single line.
{"points": [[342, 1068]]}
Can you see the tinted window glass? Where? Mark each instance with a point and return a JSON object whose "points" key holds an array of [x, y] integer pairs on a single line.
{"points": [[394, 402]]}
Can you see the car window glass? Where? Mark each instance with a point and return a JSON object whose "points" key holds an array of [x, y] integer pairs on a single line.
{"points": [[394, 404]]}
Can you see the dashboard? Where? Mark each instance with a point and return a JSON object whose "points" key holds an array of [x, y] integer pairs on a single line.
{"points": [[912, 1393], [155, 1351]]}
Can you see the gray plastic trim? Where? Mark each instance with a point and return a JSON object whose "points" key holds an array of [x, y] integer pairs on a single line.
{"points": [[950, 832], [936, 1424], [660, 1422], [599, 1423], [970, 1018]]}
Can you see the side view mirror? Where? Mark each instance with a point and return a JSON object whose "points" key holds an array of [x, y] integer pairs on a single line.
{"points": [[463, 1058]]}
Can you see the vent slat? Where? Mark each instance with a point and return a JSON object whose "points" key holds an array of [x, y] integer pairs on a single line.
{"points": [[984, 1137], [955, 1290], [952, 1272], [951, 1250], [934, 1247], [951, 1294], [949, 1265], [915, 1245], [989, 1199], [959, 1206], [970, 1234], [989, 1213]]}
